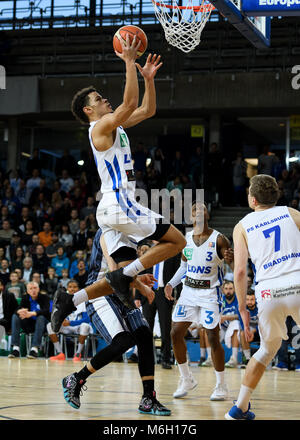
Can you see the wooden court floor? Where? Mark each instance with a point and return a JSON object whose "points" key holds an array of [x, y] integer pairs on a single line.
{"points": [[31, 390]]}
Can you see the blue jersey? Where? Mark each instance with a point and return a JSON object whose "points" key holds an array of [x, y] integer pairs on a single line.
{"points": [[253, 318], [231, 308]]}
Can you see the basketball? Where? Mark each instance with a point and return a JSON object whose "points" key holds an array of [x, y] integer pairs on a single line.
{"points": [[132, 31]]}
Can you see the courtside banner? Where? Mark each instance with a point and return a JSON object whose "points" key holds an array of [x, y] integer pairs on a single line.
{"points": [[273, 8]]}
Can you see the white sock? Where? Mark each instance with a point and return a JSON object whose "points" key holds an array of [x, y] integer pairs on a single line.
{"points": [[220, 376], [244, 398], [79, 348], [133, 268], [57, 347], [16, 347], [234, 353], [208, 349], [247, 354], [79, 297], [202, 352], [184, 370]]}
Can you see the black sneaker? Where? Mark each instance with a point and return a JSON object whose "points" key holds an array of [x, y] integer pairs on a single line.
{"points": [[120, 284], [14, 354], [150, 405], [62, 307], [73, 388], [244, 363], [32, 354], [133, 359], [201, 361]]}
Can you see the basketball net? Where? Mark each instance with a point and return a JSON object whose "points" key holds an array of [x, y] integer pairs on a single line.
{"points": [[183, 25]]}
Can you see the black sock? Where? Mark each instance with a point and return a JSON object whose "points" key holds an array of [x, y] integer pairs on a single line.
{"points": [[83, 374], [148, 387]]}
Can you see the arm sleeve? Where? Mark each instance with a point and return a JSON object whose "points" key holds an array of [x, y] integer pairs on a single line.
{"points": [[177, 278]]}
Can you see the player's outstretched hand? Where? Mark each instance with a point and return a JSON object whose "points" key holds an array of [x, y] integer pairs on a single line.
{"points": [[147, 279], [229, 255], [168, 292], [129, 51], [151, 66], [246, 321]]}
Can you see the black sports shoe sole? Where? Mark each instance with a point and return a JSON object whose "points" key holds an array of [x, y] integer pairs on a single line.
{"points": [[60, 310], [120, 284]]}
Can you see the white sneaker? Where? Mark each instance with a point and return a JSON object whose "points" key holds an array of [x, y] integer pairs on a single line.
{"points": [[220, 392], [232, 363], [207, 363], [185, 385]]}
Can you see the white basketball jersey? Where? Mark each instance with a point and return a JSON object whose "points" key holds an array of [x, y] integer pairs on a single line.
{"points": [[113, 163], [205, 270], [274, 246]]}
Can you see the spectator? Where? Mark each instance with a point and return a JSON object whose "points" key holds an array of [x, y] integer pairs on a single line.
{"points": [[8, 306], [5, 215], [73, 223], [92, 226], [51, 282], [82, 275], [31, 249], [90, 208], [41, 189], [61, 261], [80, 237], [33, 182], [24, 217], [6, 233], [15, 242], [230, 324], [39, 279], [252, 307], [22, 192], [40, 260], [57, 195], [2, 253], [266, 161], [28, 233], [4, 271], [32, 316], [45, 236], [27, 269], [239, 178], [66, 181], [65, 236], [283, 355], [140, 156], [88, 249], [77, 323], [15, 286], [175, 184], [73, 268], [63, 282], [34, 162], [14, 179], [17, 258], [66, 162], [11, 201], [139, 180], [77, 199], [51, 251], [159, 161]]}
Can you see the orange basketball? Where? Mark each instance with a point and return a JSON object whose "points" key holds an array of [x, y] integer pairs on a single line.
{"points": [[132, 31]]}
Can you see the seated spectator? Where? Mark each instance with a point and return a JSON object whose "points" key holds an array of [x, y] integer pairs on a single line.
{"points": [[5, 216], [90, 208], [92, 225], [82, 275], [230, 324], [31, 249], [39, 278], [80, 237], [66, 181], [22, 192], [27, 269], [2, 253], [63, 281], [4, 271], [252, 307], [51, 282], [45, 236], [65, 236], [23, 219], [28, 233], [77, 323], [32, 316], [73, 268], [77, 199], [33, 182], [14, 243], [8, 306], [61, 261], [74, 222], [11, 201], [15, 286], [40, 261], [88, 249], [41, 189], [17, 258], [51, 251], [174, 184], [6, 233]]}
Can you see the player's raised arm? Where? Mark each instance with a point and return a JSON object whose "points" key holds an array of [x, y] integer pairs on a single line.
{"points": [[148, 107]]}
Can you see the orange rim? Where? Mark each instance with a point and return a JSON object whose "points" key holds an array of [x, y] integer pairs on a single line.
{"points": [[202, 8]]}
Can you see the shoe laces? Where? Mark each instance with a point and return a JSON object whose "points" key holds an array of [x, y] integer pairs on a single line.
{"points": [[79, 388]]}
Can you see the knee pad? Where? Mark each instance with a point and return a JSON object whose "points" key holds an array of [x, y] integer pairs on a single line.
{"points": [[267, 351]]}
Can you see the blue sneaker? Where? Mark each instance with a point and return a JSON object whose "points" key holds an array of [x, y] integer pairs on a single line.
{"points": [[282, 366], [237, 414], [73, 388]]}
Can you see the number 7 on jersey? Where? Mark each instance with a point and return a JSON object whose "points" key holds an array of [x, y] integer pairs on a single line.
{"points": [[276, 230]]}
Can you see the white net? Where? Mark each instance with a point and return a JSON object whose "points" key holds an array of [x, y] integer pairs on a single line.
{"points": [[183, 25]]}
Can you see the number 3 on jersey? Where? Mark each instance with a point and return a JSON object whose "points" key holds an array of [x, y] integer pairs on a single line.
{"points": [[276, 230]]}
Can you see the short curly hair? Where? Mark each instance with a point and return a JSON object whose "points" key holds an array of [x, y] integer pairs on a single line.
{"points": [[265, 189], [80, 100]]}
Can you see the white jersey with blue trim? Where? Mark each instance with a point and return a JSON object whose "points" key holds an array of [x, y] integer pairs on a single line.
{"points": [[205, 271], [113, 163], [274, 246]]}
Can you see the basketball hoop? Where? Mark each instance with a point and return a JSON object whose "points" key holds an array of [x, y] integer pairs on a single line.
{"points": [[183, 25]]}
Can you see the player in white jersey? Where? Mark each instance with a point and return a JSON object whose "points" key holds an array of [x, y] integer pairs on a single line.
{"points": [[270, 236], [201, 298], [118, 210]]}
